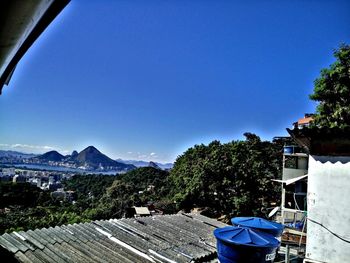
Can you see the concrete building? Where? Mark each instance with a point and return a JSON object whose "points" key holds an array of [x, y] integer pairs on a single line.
{"points": [[51, 179], [19, 179], [293, 208], [304, 122], [9, 171], [328, 206], [295, 169]]}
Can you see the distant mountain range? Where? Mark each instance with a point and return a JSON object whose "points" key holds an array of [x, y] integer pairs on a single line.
{"points": [[15, 154], [90, 159], [164, 166]]}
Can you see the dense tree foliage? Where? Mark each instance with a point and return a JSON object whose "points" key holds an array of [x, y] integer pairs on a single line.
{"points": [[230, 179], [20, 218], [29, 207], [135, 188], [332, 91], [20, 194], [24, 206], [227, 179], [88, 189]]}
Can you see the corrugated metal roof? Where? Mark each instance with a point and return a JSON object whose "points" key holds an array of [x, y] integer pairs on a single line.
{"points": [[163, 238]]}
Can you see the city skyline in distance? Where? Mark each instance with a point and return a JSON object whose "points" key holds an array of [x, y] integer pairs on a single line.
{"points": [[37, 150], [54, 158]]}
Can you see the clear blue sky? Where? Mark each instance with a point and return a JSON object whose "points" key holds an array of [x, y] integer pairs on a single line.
{"points": [[148, 79]]}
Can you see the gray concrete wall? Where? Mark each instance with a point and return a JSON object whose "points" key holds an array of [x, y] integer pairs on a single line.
{"points": [[328, 204], [290, 173], [303, 163]]}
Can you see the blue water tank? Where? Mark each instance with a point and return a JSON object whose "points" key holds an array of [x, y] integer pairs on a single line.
{"points": [[273, 228], [245, 245]]}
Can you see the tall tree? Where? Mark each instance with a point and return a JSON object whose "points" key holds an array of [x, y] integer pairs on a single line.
{"points": [[332, 91], [229, 179]]}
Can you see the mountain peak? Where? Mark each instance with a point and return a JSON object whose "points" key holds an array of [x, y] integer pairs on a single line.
{"points": [[153, 164], [91, 149], [90, 158], [51, 156], [94, 158]]}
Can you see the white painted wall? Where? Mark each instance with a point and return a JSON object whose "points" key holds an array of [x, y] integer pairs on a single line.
{"points": [[329, 204]]}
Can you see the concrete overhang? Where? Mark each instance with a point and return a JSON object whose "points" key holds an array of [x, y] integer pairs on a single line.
{"points": [[21, 23], [323, 141], [290, 181]]}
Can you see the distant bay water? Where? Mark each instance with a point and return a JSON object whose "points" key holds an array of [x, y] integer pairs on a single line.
{"points": [[43, 167]]}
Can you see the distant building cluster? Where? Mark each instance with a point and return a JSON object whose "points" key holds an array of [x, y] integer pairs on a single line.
{"points": [[45, 180]]}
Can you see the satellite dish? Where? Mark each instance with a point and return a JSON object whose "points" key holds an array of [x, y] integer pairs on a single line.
{"points": [[273, 211]]}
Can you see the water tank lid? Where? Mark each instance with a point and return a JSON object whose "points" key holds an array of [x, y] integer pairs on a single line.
{"points": [[258, 223], [245, 236]]}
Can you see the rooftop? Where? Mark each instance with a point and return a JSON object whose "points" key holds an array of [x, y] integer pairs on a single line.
{"points": [[305, 120], [323, 141], [165, 238]]}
